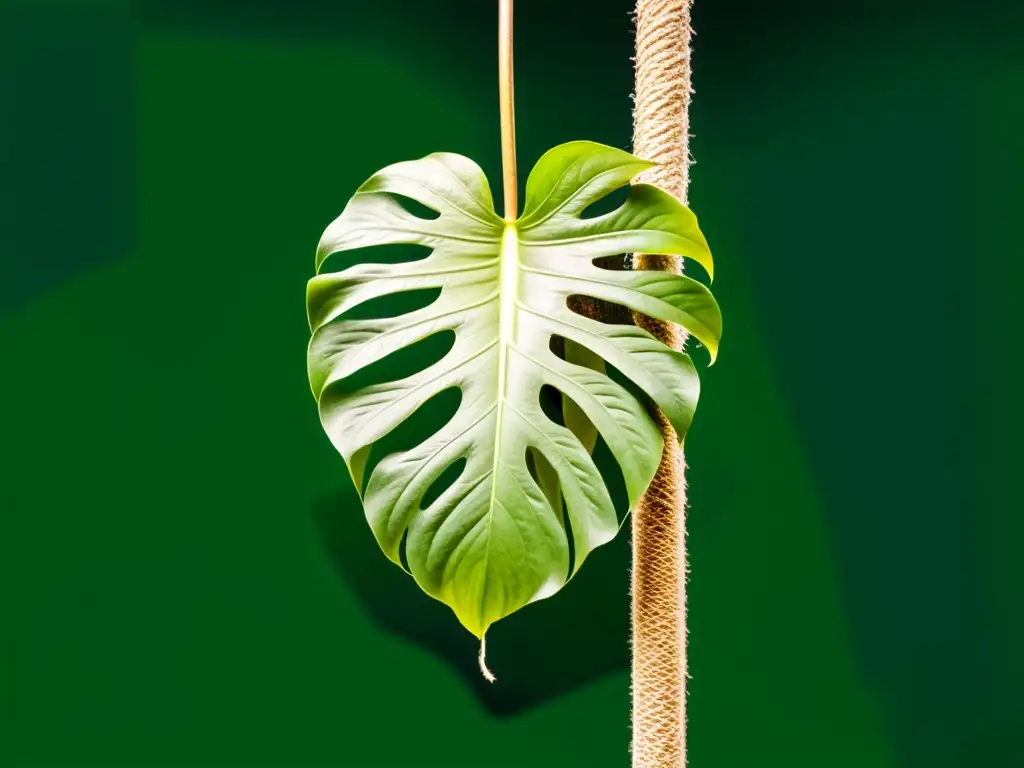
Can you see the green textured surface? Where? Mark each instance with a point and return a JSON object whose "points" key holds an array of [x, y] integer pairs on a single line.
{"points": [[182, 582]]}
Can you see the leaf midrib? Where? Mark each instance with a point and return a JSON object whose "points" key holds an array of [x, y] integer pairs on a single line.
{"points": [[508, 281]]}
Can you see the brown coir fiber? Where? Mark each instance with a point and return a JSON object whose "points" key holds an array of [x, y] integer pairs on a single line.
{"points": [[661, 134]]}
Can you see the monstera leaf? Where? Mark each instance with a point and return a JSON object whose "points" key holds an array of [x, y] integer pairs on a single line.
{"points": [[496, 539]]}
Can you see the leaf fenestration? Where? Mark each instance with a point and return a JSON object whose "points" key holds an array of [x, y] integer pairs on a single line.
{"points": [[494, 540]]}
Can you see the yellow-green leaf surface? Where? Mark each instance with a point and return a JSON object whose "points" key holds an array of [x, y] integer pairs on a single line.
{"points": [[496, 539]]}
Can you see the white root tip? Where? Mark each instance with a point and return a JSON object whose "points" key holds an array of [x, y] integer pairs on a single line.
{"points": [[488, 675]]}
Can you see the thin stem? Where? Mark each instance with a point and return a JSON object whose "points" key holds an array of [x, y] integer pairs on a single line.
{"points": [[506, 97]]}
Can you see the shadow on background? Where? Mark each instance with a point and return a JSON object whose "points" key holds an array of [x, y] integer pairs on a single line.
{"points": [[537, 654]]}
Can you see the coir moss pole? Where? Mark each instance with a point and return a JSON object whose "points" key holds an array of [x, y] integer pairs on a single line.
{"points": [[661, 134]]}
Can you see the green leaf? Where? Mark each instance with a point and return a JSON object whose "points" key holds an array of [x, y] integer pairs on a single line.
{"points": [[495, 540]]}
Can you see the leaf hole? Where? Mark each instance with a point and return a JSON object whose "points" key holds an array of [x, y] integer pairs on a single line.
{"points": [[403, 556], [620, 262], [547, 480], [660, 263], [424, 422], [416, 208], [611, 474], [602, 311], [551, 403], [392, 305], [557, 346], [569, 538], [401, 363], [395, 253], [443, 482], [605, 205]]}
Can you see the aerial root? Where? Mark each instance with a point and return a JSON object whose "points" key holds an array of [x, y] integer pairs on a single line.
{"points": [[482, 658]]}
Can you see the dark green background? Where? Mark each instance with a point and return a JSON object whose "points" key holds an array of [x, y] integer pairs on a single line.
{"points": [[187, 577]]}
